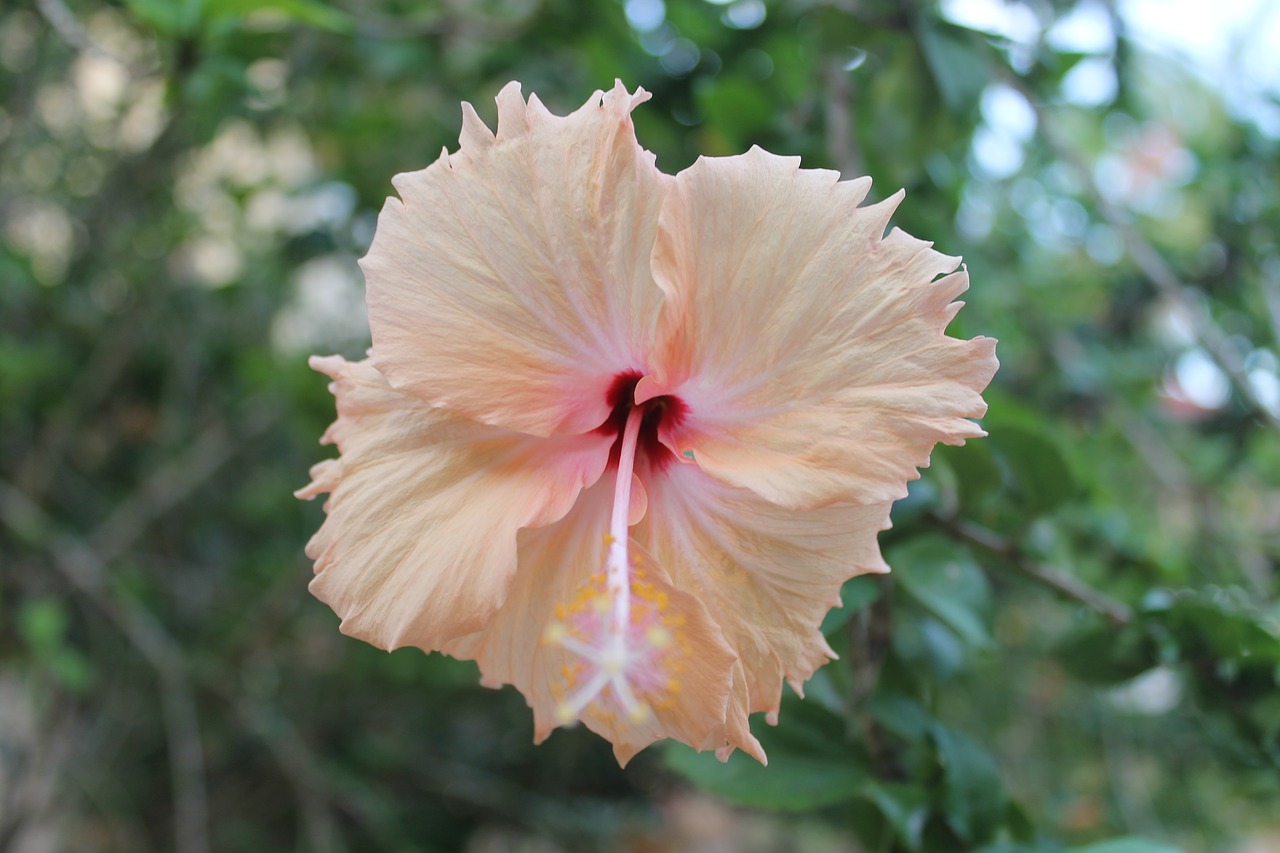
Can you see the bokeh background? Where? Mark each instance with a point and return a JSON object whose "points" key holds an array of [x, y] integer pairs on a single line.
{"points": [[1078, 649]]}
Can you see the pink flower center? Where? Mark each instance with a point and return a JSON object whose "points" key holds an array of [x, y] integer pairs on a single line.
{"points": [[618, 674], [628, 646]]}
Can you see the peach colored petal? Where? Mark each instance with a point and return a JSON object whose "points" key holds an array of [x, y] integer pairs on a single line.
{"points": [[557, 568], [810, 349], [737, 725], [767, 574], [517, 290], [419, 543], [510, 282]]}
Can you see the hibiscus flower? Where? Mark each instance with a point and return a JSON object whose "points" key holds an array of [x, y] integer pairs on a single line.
{"points": [[622, 435]]}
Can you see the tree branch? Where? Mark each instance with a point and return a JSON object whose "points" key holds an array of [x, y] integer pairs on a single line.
{"points": [[1064, 584]]}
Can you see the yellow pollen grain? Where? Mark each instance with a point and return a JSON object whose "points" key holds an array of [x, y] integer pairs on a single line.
{"points": [[564, 714], [638, 713]]}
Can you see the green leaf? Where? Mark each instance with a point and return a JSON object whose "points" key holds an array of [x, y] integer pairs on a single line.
{"points": [[1019, 823], [901, 715], [943, 579], [1128, 844], [973, 795], [856, 594], [42, 623], [922, 498], [736, 107], [307, 12], [905, 807], [1100, 654], [811, 764], [699, 22], [72, 670], [1222, 623], [958, 66], [926, 641], [1037, 466], [975, 470], [168, 17]]}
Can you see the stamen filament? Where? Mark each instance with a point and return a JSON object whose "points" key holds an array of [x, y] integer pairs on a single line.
{"points": [[575, 645], [617, 577], [636, 710], [581, 698]]}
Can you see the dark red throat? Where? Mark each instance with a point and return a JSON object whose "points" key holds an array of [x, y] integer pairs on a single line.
{"points": [[651, 454]]}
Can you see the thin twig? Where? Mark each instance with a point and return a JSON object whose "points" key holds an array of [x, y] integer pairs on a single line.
{"points": [[84, 565], [70, 30], [85, 571], [35, 747], [1271, 297], [173, 481], [94, 381], [1149, 445], [299, 765], [462, 783], [1114, 611]]}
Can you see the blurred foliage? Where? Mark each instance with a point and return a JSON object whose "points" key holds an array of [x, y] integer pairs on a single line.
{"points": [[1078, 649]]}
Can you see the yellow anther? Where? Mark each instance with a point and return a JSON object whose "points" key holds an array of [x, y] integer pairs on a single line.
{"points": [[658, 637], [564, 714], [638, 713], [555, 632]]}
